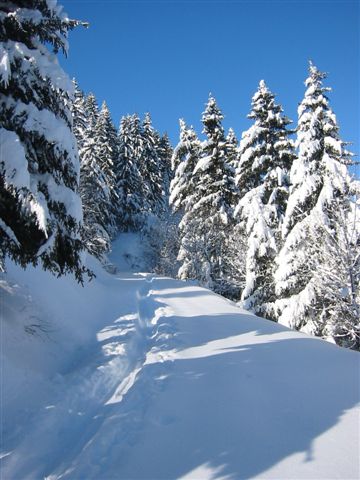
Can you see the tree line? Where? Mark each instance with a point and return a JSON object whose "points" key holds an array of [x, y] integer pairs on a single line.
{"points": [[267, 221], [271, 221], [124, 175]]}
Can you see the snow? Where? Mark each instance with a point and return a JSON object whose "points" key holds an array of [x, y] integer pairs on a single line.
{"points": [[58, 193], [52, 127], [138, 376], [40, 209], [14, 160], [203, 164], [46, 63], [16, 170], [5, 70]]}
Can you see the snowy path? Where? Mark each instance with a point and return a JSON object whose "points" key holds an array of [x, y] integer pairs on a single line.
{"points": [[182, 384]]}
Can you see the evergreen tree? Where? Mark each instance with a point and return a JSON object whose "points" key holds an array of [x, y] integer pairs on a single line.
{"points": [[130, 186], [184, 159], [335, 261], [266, 154], [207, 220], [182, 162], [106, 141], [232, 149], [150, 169], [165, 152], [92, 111], [79, 115], [179, 152], [94, 188], [320, 180], [162, 234], [40, 210]]}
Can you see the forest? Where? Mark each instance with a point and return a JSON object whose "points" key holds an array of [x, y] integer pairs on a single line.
{"points": [[270, 220]]}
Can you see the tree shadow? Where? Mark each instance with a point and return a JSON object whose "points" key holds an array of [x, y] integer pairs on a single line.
{"points": [[242, 409]]}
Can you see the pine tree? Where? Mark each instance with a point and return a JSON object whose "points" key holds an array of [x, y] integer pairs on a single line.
{"points": [[319, 179], [182, 162], [207, 220], [266, 154], [79, 115], [94, 188], [184, 159], [162, 234], [150, 169], [106, 141], [232, 149], [335, 261], [130, 186], [92, 111], [165, 152], [40, 210]]}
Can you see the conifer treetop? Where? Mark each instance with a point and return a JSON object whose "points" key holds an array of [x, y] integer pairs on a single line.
{"points": [[231, 137], [212, 118]]}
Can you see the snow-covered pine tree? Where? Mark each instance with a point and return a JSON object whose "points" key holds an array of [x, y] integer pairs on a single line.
{"points": [[79, 115], [184, 159], [130, 186], [150, 169], [179, 152], [232, 149], [186, 153], [161, 227], [320, 180], [94, 190], [335, 261], [40, 209], [92, 110], [208, 214], [106, 140], [236, 244], [162, 233], [165, 152], [266, 155]]}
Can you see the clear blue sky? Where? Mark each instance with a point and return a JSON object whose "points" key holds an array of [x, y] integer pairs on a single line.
{"points": [[165, 56]]}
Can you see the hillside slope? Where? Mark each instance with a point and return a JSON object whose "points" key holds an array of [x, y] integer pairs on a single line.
{"points": [[137, 376]]}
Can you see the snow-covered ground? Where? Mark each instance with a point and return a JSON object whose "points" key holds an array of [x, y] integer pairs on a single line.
{"points": [[137, 376]]}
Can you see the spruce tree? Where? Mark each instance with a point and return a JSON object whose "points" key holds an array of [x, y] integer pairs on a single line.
{"points": [[106, 141], [79, 115], [207, 220], [92, 110], [40, 209], [320, 180], [165, 152], [130, 186], [266, 155], [184, 159], [150, 169], [232, 149], [335, 261], [94, 188]]}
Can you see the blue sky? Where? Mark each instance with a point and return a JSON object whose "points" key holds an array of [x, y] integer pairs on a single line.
{"points": [[165, 56]]}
